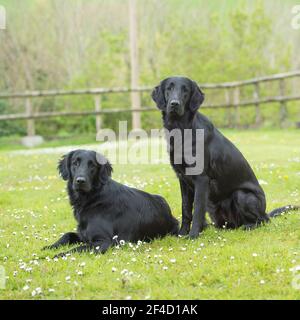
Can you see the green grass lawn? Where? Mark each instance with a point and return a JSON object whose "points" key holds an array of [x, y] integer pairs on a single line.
{"points": [[34, 211]]}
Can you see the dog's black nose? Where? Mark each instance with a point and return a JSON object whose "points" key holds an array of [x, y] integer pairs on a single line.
{"points": [[80, 180], [174, 103]]}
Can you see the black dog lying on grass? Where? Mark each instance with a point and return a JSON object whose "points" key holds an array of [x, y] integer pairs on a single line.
{"points": [[104, 208], [227, 188]]}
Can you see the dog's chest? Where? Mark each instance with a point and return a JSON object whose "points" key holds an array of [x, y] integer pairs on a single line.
{"points": [[82, 219], [180, 172], [82, 229], [93, 224]]}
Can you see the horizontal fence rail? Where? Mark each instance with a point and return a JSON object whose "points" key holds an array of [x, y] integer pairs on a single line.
{"points": [[95, 91], [40, 115], [231, 100]]}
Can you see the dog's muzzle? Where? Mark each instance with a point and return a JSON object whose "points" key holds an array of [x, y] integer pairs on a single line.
{"points": [[174, 107], [81, 184]]}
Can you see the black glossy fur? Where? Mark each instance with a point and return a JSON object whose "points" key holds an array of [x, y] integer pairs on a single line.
{"points": [[227, 188], [104, 208]]}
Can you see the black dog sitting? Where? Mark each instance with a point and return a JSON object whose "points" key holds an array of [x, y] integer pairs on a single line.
{"points": [[227, 188], [104, 208]]}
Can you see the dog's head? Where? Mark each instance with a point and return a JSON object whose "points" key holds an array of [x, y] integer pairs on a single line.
{"points": [[84, 169], [177, 95]]}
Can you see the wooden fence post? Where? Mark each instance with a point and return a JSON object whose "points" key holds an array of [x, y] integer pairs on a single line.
{"points": [[283, 109], [97, 99], [256, 95], [30, 122], [228, 113], [134, 64], [236, 101]]}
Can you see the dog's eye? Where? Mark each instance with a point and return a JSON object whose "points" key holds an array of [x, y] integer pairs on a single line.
{"points": [[91, 164], [170, 86], [184, 89], [76, 162]]}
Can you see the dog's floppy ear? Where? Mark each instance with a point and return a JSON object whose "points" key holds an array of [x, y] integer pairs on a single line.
{"points": [[158, 96], [105, 168], [197, 97], [64, 165]]}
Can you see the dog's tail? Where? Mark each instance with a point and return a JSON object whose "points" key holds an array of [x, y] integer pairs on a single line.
{"points": [[282, 210]]}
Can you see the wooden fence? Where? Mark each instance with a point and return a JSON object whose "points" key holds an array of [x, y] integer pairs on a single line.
{"points": [[231, 100]]}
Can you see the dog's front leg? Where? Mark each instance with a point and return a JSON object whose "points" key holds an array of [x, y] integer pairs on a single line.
{"points": [[187, 198], [200, 206], [96, 247], [67, 239]]}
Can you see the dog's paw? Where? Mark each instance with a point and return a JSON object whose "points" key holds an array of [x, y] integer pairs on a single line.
{"points": [[61, 255], [46, 248], [183, 232], [249, 227], [194, 234], [205, 225]]}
